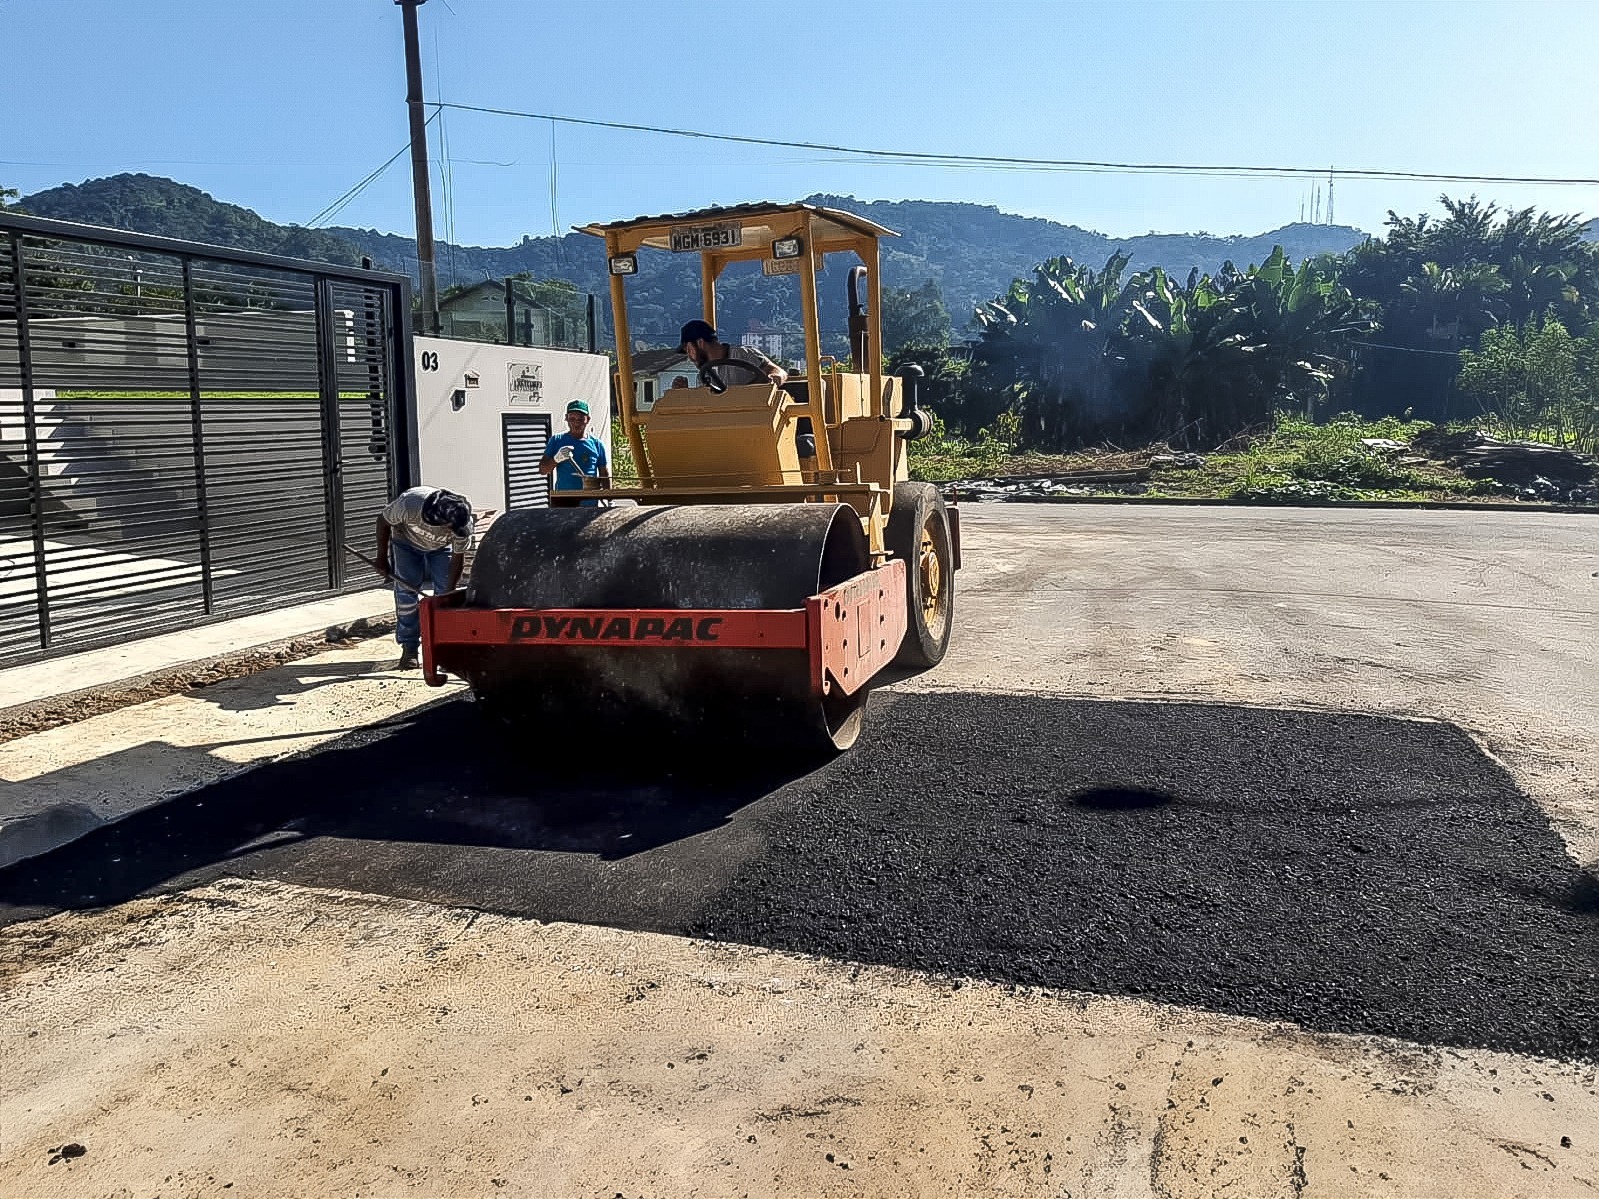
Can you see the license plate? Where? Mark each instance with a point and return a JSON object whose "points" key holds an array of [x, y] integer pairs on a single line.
{"points": [[706, 237]]}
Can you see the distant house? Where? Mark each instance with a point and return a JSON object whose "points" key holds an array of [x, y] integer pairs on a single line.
{"points": [[655, 371], [764, 338], [477, 313]]}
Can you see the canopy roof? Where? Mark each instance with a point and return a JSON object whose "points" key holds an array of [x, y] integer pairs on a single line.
{"points": [[759, 225]]}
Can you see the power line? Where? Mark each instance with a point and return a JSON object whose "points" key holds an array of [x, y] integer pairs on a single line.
{"points": [[339, 205], [1377, 345], [446, 167], [921, 158]]}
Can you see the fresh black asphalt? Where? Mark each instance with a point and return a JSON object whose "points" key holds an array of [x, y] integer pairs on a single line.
{"points": [[1349, 873]]}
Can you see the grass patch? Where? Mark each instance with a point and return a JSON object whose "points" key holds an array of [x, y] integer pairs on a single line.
{"points": [[942, 456], [1299, 461], [1296, 461]]}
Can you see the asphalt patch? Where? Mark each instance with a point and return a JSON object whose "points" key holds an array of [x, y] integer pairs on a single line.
{"points": [[1349, 873]]}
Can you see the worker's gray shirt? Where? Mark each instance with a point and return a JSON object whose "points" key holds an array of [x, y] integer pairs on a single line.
{"points": [[744, 354], [404, 517]]}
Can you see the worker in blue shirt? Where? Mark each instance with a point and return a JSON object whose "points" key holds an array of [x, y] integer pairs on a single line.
{"points": [[572, 455]]}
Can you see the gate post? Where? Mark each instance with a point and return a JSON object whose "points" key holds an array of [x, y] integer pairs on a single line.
{"points": [[405, 468], [327, 373], [30, 432]]}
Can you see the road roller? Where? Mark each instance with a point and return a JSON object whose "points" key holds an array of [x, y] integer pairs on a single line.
{"points": [[773, 557]]}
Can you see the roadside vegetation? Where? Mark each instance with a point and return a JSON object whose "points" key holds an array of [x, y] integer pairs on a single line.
{"points": [[1265, 383], [1291, 460]]}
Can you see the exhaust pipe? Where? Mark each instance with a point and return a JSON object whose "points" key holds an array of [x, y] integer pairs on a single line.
{"points": [[921, 421]]}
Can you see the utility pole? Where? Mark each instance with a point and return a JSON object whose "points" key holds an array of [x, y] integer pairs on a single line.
{"points": [[419, 171]]}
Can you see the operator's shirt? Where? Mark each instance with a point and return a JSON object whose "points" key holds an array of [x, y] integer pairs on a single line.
{"points": [[588, 458], [752, 356], [404, 518]]}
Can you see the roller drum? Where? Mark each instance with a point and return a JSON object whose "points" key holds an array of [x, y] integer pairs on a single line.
{"points": [[752, 556]]}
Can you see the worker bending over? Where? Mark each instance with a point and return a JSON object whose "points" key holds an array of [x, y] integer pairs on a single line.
{"points": [[423, 536]]}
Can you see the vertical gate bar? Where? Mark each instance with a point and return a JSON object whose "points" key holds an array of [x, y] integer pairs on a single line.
{"points": [[404, 444], [30, 432], [376, 393], [327, 370], [198, 431]]}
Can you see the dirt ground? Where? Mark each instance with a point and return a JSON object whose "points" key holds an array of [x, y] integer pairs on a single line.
{"points": [[270, 1040], [261, 1038]]}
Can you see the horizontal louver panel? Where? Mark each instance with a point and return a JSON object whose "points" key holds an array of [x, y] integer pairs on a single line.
{"points": [[525, 437]]}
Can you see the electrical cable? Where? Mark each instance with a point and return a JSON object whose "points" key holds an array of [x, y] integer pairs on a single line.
{"points": [[338, 205], [1377, 345], [989, 161], [446, 171], [555, 218]]}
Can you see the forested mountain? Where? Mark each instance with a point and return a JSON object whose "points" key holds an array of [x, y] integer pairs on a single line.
{"points": [[151, 204], [1077, 337], [971, 251]]}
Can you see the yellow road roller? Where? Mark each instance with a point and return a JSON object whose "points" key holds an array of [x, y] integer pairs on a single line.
{"points": [[774, 557]]}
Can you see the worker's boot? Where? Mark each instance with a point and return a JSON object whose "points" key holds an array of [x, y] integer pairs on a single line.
{"points": [[408, 660]]}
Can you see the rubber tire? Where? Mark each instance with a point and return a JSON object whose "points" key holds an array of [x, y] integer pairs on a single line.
{"points": [[915, 504]]}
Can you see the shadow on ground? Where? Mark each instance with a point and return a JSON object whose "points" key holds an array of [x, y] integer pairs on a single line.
{"points": [[437, 784], [1350, 873], [244, 692]]}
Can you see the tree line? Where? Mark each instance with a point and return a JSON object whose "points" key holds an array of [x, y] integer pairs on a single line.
{"points": [[1475, 314]]}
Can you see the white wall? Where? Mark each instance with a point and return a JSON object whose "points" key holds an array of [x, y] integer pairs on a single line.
{"points": [[463, 448]]}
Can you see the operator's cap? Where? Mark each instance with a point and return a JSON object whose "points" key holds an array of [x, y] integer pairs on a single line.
{"points": [[694, 331], [578, 406]]}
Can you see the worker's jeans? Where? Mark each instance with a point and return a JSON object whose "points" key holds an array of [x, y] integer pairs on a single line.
{"points": [[415, 567]]}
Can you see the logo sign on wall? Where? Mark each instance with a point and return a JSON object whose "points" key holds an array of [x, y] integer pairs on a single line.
{"points": [[526, 384]]}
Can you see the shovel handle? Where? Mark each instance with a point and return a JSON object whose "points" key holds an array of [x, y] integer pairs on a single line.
{"points": [[372, 562]]}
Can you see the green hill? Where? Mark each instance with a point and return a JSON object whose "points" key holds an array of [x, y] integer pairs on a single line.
{"points": [[971, 251], [151, 204]]}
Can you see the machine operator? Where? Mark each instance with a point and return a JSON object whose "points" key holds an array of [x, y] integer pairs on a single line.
{"points": [[698, 340]]}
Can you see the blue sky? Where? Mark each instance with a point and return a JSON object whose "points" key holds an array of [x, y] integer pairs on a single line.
{"points": [[282, 105]]}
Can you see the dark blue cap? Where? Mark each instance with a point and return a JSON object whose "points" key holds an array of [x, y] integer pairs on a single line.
{"points": [[695, 331]]}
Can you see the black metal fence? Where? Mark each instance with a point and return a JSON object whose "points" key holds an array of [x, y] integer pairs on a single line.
{"points": [[186, 433]]}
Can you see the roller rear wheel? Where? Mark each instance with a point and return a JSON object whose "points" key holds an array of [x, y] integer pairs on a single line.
{"points": [[918, 532]]}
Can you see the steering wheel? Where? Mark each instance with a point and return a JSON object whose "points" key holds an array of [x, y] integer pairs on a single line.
{"points": [[711, 379]]}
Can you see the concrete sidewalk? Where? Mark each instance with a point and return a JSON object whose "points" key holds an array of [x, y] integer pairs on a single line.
{"points": [[62, 783], [58, 785], [131, 660]]}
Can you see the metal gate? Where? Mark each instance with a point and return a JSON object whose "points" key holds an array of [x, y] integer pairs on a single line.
{"points": [[186, 433], [524, 436]]}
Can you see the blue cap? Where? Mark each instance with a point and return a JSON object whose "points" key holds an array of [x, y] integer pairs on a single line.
{"points": [[694, 331]]}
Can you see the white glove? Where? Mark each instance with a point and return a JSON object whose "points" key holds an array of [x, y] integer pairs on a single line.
{"points": [[564, 454]]}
